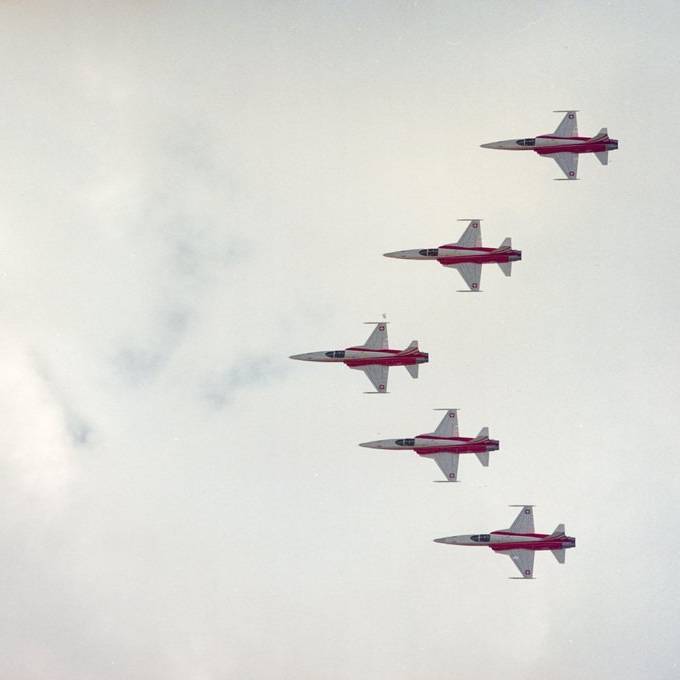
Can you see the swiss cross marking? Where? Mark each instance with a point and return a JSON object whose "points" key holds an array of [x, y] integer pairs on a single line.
{"points": [[527, 511], [474, 285], [527, 572], [474, 225], [381, 328], [452, 415], [381, 387], [571, 116], [452, 475], [571, 173]]}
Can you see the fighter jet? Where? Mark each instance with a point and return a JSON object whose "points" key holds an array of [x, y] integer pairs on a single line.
{"points": [[519, 542], [564, 145], [374, 358], [467, 255], [444, 445]]}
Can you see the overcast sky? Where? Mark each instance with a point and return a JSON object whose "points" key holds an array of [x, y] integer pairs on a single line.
{"points": [[194, 191]]}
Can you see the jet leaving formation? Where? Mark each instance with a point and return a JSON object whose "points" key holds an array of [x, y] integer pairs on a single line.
{"points": [[445, 445], [519, 542], [564, 145], [467, 255]]}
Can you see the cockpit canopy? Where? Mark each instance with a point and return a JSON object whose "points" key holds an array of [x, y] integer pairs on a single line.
{"points": [[481, 538], [405, 442], [527, 142], [339, 354], [429, 252]]}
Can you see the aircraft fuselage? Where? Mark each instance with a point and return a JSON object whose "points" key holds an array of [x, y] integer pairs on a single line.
{"points": [[361, 356], [508, 540], [451, 254], [427, 444], [549, 144]]}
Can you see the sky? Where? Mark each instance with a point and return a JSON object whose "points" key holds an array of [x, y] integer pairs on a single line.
{"points": [[191, 193]]}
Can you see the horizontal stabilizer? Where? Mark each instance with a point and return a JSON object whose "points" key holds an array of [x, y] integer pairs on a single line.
{"points": [[559, 555], [413, 370], [483, 434], [506, 268], [603, 157], [483, 458], [412, 346], [559, 530], [507, 243], [602, 134]]}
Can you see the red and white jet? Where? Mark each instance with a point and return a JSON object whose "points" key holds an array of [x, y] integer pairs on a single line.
{"points": [[467, 255], [564, 145], [444, 445], [519, 542], [374, 357]]}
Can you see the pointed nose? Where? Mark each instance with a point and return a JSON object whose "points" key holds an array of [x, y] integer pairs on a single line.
{"points": [[372, 445], [309, 356], [439, 540], [399, 254]]}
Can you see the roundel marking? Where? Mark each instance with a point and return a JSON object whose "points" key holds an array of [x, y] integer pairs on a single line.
{"points": [[475, 225], [571, 116], [381, 328], [452, 415], [571, 173], [527, 511], [527, 572], [381, 387], [474, 285], [452, 475]]}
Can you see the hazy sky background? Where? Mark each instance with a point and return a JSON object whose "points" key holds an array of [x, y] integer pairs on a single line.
{"points": [[193, 191]]}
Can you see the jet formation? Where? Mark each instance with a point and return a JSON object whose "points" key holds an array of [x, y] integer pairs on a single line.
{"points": [[444, 446], [519, 542], [467, 255], [564, 145]]}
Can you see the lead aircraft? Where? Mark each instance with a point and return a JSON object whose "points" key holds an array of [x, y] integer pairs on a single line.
{"points": [[564, 145], [519, 542], [374, 357], [467, 255], [444, 446]]}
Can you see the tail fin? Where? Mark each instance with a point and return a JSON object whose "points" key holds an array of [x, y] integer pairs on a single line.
{"points": [[483, 434], [559, 530], [413, 370], [602, 134], [559, 555], [506, 267]]}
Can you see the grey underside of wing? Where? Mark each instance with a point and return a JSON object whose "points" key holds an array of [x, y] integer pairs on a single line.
{"points": [[378, 338], [523, 560], [378, 375], [524, 522], [568, 163], [471, 273], [448, 464], [472, 236], [448, 427], [568, 127]]}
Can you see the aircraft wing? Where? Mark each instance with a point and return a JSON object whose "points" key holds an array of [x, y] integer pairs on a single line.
{"points": [[449, 424], [568, 126], [378, 375], [568, 163], [471, 273], [448, 464], [523, 560], [472, 236], [524, 522], [378, 338]]}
